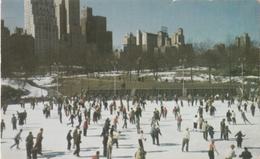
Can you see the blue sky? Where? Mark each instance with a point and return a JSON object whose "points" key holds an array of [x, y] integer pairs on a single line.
{"points": [[202, 20]]}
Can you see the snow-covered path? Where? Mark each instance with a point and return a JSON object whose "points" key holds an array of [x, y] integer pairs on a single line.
{"points": [[54, 142]]}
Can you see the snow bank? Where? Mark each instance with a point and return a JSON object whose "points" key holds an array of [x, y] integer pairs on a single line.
{"points": [[19, 84]]}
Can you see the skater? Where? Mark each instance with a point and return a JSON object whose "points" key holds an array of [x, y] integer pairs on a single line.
{"points": [[125, 121], [226, 132], [105, 134], [79, 119], [252, 108], [2, 127], [38, 144], [4, 106], [244, 117], [239, 138], [185, 140], [141, 139], [115, 138], [222, 128], [71, 120], [205, 130], [233, 117], [17, 140], [29, 145], [85, 127], [228, 116], [109, 146], [14, 122], [69, 138], [60, 113], [155, 134], [211, 150], [179, 120], [231, 154], [245, 107], [211, 131], [75, 133], [246, 154], [77, 143], [195, 123]]}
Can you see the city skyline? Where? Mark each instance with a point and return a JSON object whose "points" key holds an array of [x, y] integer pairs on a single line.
{"points": [[202, 20]]}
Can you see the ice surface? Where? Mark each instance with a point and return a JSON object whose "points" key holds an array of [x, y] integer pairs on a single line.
{"points": [[54, 141]]}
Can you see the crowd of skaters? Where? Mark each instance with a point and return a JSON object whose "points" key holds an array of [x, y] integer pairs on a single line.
{"points": [[80, 107]]}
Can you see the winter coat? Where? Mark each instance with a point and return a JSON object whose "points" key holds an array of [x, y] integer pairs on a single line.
{"points": [[246, 155], [85, 125], [140, 154], [29, 140]]}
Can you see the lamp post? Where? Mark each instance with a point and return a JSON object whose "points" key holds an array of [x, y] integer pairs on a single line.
{"points": [[242, 60], [114, 68], [182, 61]]}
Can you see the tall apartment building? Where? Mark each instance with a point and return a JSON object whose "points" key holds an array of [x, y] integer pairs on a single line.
{"points": [[68, 20], [129, 43], [5, 48], [162, 39], [139, 38], [94, 29], [178, 38], [149, 41], [243, 41], [40, 22]]}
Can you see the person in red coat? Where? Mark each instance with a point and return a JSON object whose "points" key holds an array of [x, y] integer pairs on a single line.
{"points": [[85, 127]]}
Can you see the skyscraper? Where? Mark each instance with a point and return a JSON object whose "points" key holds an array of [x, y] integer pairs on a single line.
{"points": [[94, 29], [178, 38], [40, 22], [68, 19]]}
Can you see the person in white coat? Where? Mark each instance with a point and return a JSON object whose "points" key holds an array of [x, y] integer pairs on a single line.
{"points": [[185, 140], [231, 153]]}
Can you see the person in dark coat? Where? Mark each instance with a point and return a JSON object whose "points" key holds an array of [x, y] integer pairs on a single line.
{"points": [[252, 108], [239, 138], [14, 122], [38, 144], [60, 113], [75, 133], [211, 131], [77, 142], [17, 139], [72, 120], [2, 127], [155, 135], [4, 106], [79, 119], [246, 154], [69, 138], [226, 132], [222, 128], [228, 115], [29, 145]]}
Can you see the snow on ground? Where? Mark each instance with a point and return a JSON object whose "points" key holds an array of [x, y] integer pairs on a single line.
{"points": [[19, 84], [54, 141], [46, 81]]}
